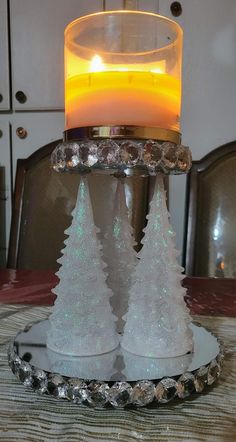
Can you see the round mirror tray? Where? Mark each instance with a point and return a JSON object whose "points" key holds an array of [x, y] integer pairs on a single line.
{"points": [[118, 378]]}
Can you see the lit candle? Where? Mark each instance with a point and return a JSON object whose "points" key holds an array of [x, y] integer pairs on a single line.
{"points": [[101, 90]]}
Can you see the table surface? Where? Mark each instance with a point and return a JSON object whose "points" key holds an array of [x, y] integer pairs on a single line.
{"points": [[25, 416]]}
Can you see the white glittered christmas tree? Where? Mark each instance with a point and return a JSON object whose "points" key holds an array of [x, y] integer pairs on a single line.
{"points": [[157, 322], [119, 255], [82, 322]]}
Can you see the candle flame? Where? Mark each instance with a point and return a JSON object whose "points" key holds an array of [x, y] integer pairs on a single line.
{"points": [[97, 64], [157, 71]]}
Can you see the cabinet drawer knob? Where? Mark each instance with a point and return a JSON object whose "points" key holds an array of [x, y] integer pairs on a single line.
{"points": [[21, 97], [176, 9], [1, 98], [21, 132]]}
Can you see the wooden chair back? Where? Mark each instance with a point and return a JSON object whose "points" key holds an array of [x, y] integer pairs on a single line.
{"points": [[44, 200], [210, 219]]}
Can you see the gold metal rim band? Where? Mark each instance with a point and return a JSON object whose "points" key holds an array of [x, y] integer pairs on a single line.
{"points": [[134, 132]]}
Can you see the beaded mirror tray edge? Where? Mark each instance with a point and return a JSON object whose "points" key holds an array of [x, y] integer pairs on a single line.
{"points": [[99, 394]]}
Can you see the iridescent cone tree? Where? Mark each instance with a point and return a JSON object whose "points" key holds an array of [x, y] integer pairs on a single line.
{"points": [[82, 322], [157, 322], [119, 255]]}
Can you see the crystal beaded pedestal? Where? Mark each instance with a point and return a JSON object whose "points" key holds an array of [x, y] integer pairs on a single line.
{"points": [[151, 156]]}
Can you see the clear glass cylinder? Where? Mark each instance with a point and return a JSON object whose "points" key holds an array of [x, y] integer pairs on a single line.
{"points": [[123, 68]]}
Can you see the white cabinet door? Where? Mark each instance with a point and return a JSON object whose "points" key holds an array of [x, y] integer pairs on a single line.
{"points": [[4, 61], [5, 187], [209, 72], [41, 128], [144, 5], [37, 37]]}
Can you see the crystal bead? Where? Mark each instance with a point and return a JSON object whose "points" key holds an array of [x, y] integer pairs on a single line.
{"points": [[129, 152], [93, 155], [69, 150], [75, 160], [57, 386], [120, 394], [107, 152], [58, 153], [64, 156], [166, 390], [152, 154], [77, 391], [83, 152], [143, 393], [14, 363], [58, 160], [39, 381], [25, 374], [185, 385], [169, 157], [200, 380], [184, 159], [60, 166], [98, 393], [214, 371], [92, 159]]}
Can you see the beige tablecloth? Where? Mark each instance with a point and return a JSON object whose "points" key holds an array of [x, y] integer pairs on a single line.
{"points": [[25, 416]]}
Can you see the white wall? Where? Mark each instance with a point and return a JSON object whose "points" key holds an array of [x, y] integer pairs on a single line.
{"points": [[209, 84]]}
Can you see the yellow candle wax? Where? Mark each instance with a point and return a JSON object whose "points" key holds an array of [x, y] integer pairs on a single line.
{"points": [[137, 98]]}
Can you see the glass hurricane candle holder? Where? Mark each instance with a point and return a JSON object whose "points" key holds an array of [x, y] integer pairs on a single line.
{"points": [[123, 68], [123, 95]]}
